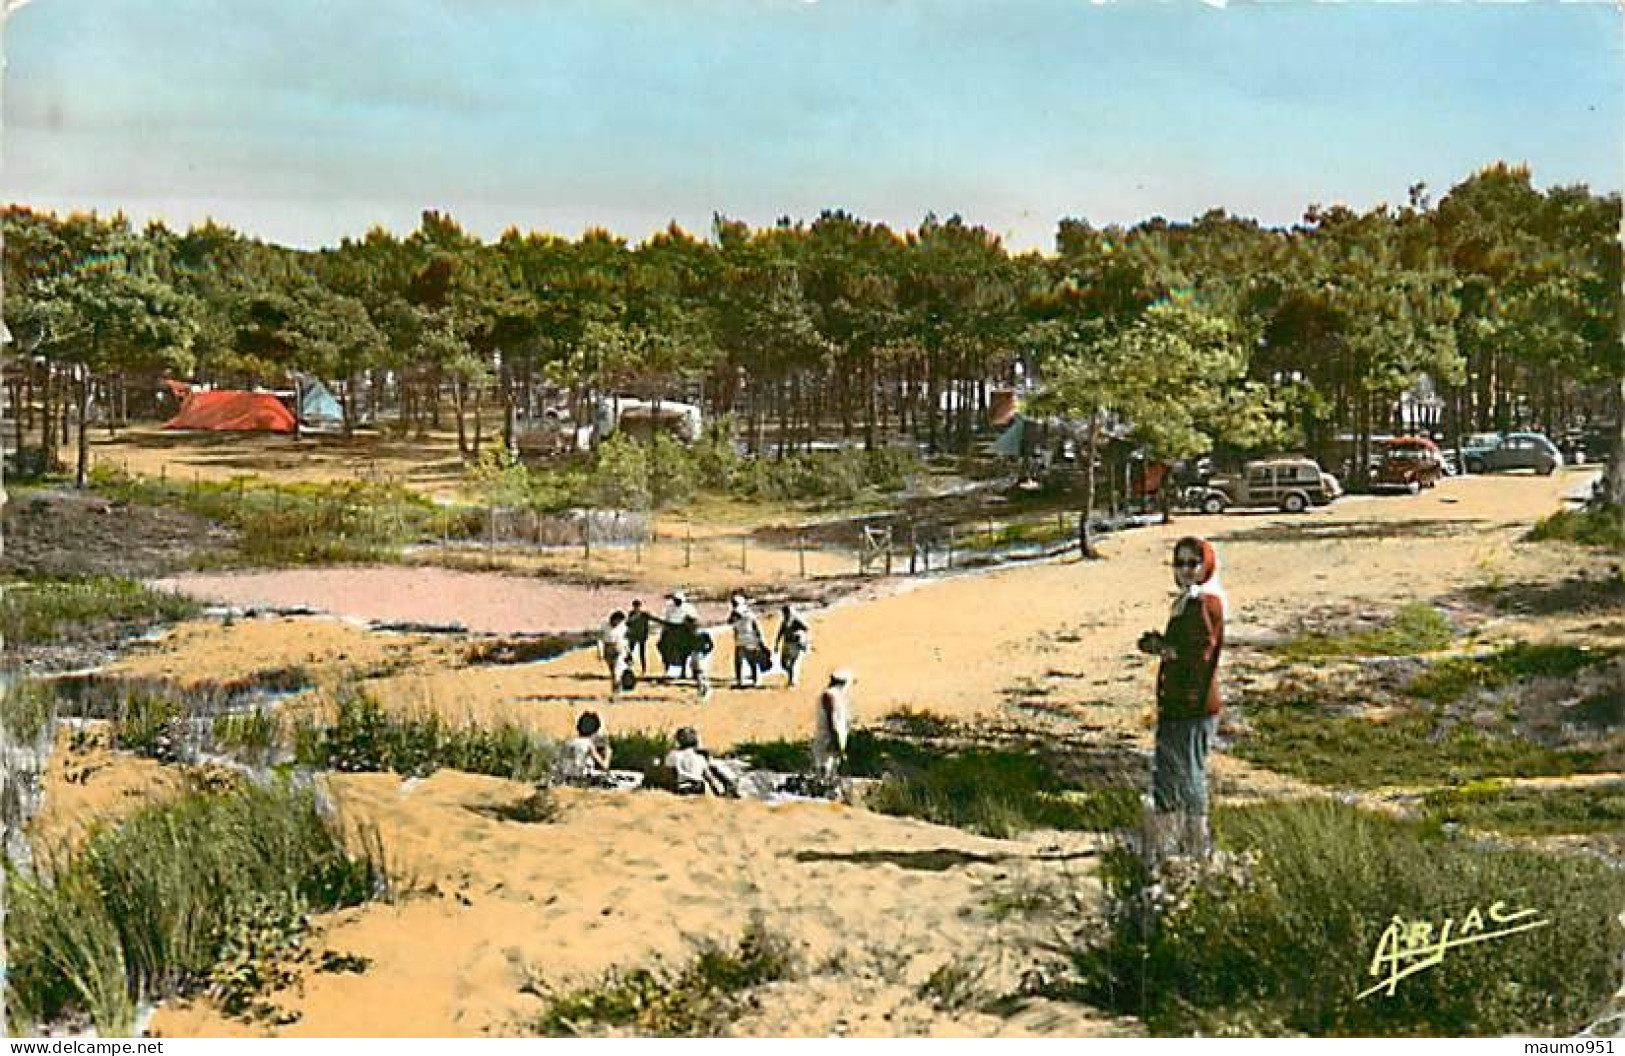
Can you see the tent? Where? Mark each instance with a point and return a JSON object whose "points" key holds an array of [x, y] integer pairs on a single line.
{"points": [[226, 410], [317, 406], [1002, 407]]}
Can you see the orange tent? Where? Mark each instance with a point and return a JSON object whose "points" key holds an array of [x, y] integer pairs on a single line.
{"points": [[249, 412]]}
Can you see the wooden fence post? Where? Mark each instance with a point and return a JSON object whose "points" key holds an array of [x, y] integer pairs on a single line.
{"points": [[950, 548], [744, 543], [801, 553]]}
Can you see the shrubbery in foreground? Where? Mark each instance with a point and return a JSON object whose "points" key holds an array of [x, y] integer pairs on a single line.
{"points": [[1279, 935], [200, 893]]}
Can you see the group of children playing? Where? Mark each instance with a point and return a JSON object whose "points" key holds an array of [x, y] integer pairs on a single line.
{"points": [[684, 646]]}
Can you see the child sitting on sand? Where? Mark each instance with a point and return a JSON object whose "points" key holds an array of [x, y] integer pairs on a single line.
{"points": [[584, 759], [696, 774]]}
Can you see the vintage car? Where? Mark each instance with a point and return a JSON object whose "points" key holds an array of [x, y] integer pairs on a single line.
{"points": [[1517, 451], [1292, 484], [1409, 463]]}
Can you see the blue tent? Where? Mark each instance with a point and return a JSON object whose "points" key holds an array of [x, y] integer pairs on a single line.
{"points": [[316, 404]]}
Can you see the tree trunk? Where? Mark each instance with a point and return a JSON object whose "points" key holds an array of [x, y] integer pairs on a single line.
{"points": [[479, 425], [81, 475], [47, 427], [1614, 484], [18, 414], [931, 401], [1086, 543], [782, 395], [457, 402], [869, 401]]}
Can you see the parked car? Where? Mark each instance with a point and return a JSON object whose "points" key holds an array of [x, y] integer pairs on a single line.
{"points": [[1293, 484], [1409, 463], [1517, 451]]}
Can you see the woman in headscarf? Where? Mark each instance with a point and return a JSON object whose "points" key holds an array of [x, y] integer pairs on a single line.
{"points": [[1187, 702]]}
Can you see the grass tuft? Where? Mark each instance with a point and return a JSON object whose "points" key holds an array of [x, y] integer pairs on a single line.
{"points": [[1600, 526], [40, 609], [700, 1000], [1307, 740], [1454, 677], [1416, 628], [182, 897], [367, 738]]}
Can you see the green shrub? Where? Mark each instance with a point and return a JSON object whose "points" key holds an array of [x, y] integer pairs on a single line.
{"points": [[28, 708], [1285, 932], [698, 1001], [42, 609], [367, 738], [1452, 678], [150, 723], [154, 905], [1530, 811], [1416, 628], [1307, 740], [254, 736], [664, 472], [1601, 526], [304, 523], [1000, 793], [641, 750]]}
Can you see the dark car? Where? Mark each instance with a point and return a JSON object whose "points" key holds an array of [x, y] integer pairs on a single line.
{"points": [[1517, 451], [1409, 463]]}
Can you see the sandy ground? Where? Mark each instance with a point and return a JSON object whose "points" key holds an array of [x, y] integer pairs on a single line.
{"points": [[625, 877], [430, 465]]}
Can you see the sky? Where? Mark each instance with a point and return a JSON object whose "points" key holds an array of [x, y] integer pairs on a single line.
{"points": [[305, 121]]}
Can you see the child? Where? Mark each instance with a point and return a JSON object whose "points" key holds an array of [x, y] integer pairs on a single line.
{"points": [[831, 726], [612, 645], [637, 635], [794, 642], [748, 645], [696, 774], [584, 759], [699, 658]]}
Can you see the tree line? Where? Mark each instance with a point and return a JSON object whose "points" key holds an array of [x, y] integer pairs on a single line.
{"points": [[1219, 333]]}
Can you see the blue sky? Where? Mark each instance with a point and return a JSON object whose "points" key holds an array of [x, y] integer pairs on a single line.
{"points": [[301, 121]]}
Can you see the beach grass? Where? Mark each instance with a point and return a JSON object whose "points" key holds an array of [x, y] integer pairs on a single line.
{"points": [[164, 902], [1280, 934]]}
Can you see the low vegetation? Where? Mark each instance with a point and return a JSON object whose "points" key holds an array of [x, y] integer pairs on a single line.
{"points": [[995, 791], [1002, 793], [1416, 628], [303, 523], [699, 1000], [1522, 810], [38, 610], [28, 708], [1599, 526], [1279, 935], [1454, 677], [365, 737], [1307, 739], [203, 893]]}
